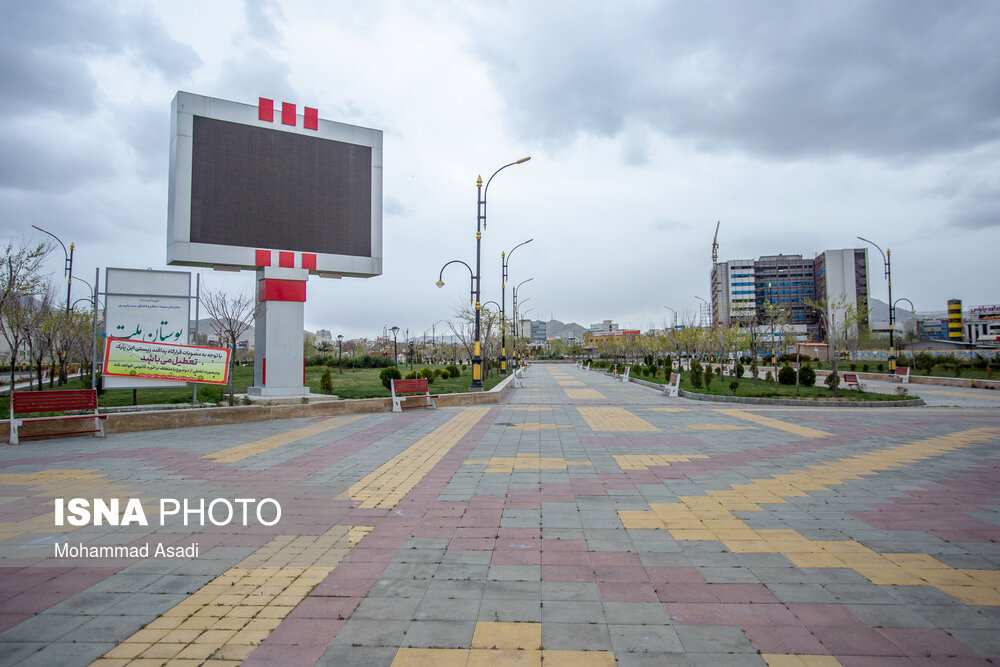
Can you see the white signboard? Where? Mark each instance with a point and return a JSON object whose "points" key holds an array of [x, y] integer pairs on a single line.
{"points": [[148, 307]]}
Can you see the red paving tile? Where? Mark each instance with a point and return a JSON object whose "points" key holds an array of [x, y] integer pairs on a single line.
{"points": [[696, 613], [685, 593], [851, 640], [784, 639], [568, 573], [737, 593], [626, 592]]}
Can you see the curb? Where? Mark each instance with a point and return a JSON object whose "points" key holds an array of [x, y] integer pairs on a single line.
{"points": [[751, 400], [153, 420]]}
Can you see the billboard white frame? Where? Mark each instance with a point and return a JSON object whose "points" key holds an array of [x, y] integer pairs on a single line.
{"points": [[182, 251], [146, 306]]}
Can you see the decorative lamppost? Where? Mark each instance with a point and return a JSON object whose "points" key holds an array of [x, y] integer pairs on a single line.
{"points": [[68, 268], [504, 262], [340, 354], [477, 359], [395, 353], [887, 262], [516, 323], [706, 306]]}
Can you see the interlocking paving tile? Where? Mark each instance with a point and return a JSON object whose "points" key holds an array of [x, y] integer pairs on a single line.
{"points": [[581, 521]]}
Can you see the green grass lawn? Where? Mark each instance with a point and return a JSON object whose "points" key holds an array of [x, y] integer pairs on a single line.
{"points": [[357, 383]]}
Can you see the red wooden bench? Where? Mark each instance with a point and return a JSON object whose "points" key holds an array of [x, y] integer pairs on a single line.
{"points": [[33, 402], [406, 389], [851, 380], [902, 373]]}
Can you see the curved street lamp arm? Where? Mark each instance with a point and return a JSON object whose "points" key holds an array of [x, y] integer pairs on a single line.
{"points": [[486, 189], [885, 260], [440, 281]]}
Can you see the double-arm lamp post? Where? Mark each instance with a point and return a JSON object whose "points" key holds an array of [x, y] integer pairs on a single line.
{"points": [[477, 357], [514, 299], [69, 265], [505, 261], [887, 261]]}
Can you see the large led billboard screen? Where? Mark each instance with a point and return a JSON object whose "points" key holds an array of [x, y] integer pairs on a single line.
{"points": [[249, 190]]}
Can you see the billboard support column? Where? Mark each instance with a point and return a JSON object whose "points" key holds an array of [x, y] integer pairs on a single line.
{"points": [[278, 330]]}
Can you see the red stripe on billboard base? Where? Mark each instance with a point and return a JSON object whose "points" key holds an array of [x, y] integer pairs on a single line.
{"points": [[286, 260], [287, 113], [274, 289], [263, 258], [311, 119], [309, 261]]}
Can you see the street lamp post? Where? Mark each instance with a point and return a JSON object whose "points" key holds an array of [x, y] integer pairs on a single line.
{"points": [[913, 310], [699, 313], [514, 308], [69, 265], [340, 354], [93, 358], [504, 263], [887, 262], [395, 353], [477, 359]]}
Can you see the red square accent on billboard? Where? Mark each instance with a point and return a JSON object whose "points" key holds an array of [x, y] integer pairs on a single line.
{"points": [[286, 260], [309, 261], [265, 109], [311, 120], [263, 258], [287, 113], [275, 289]]}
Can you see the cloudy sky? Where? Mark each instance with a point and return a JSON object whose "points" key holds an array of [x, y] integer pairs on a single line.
{"points": [[797, 125]]}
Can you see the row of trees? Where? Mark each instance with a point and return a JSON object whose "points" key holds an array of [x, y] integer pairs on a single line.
{"points": [[37, 328]]}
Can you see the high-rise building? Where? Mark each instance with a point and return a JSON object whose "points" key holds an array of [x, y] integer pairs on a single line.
{"points": [[744, 289]]}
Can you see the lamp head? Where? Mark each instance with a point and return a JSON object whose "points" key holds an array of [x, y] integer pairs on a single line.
{"points": [[523, 160], [440, 283]]}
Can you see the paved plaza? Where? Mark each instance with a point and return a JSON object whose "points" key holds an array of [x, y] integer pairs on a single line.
{"points": [[580, 522]]}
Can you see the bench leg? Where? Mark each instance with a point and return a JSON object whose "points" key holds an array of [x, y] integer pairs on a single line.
{"points": [[99, 433], [397, 404], [14, 423]]}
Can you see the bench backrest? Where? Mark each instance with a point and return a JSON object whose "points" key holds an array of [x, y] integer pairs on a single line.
{"points": [[418, 385], [53, 401], [851, 377], [674, 377], [902, 370]]}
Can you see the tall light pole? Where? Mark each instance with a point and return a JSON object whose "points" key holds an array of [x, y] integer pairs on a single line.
{"points": [[887, 261], [514, 308], [477, 359], [706, 306], [504, 262], [340, 354], [395, 354], [675, 315], [68, 268], [93, 358]]}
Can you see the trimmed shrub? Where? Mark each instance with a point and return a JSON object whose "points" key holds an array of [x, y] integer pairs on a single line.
{"points": [[426, 372], [444, 374], [453, 371], [831, 380], [864, 368], [696, 375], [786, 375], [807, 376], [740, 370], [388, 374], [734, 387], [326, 382], [412, 375]]}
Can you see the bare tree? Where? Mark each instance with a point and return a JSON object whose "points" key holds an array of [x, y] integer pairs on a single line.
{"points": [[232, 316], [37, 324], [20, 272], [827, 309]]}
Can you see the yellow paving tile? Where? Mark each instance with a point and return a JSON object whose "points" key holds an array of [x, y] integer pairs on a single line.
{"points": [[645, 461], [387, 485], [536, 426], [709, 517], [716, 427], [479, 657], [213, 622], [779, 660], [490, 635], [506, 464], [571, 383], [240, 452], [775, 423], [614, 419], [430, 657], [583, 394]]}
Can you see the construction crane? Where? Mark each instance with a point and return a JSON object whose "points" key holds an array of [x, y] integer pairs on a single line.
{"points": [[715, 244]]}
